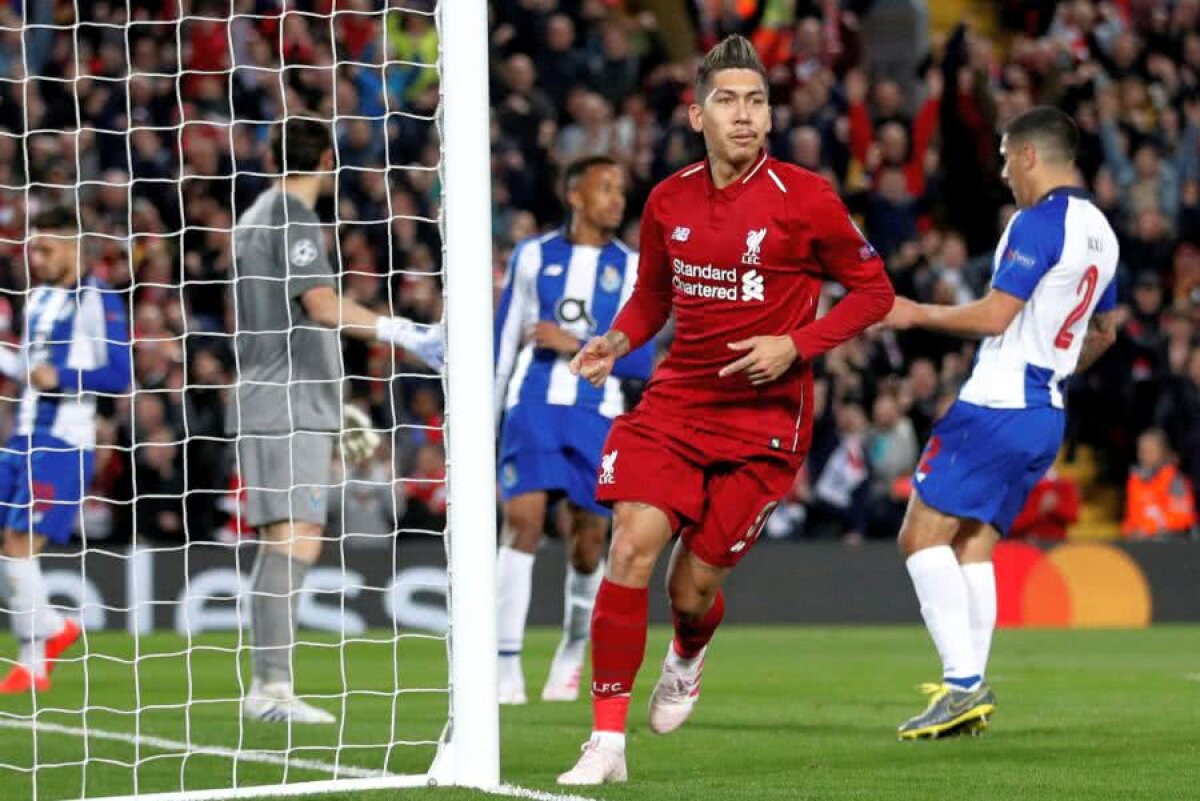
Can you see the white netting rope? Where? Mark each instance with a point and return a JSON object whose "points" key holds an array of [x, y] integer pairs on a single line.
{"points": [[153, 710]]}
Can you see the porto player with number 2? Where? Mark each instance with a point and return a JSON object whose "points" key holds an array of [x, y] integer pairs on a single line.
{"points": [[1050, 312], [738, 247]]}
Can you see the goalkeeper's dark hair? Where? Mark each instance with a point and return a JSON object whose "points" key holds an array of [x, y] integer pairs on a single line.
{"points": [[578, 168], [1051, 131], [732, 53], [305, 140], [55, 218]]}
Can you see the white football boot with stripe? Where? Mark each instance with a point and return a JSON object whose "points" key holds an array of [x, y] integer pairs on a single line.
{"points": [[565, 672], [275, 702], [676, 693]]}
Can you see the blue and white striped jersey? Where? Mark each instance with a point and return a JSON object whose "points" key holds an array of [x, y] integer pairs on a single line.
{"points": [[580, 288], [1060, 257], [83, 333]]}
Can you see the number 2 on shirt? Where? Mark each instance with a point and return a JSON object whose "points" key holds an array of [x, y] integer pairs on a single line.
{"points": [[1087, 285]]}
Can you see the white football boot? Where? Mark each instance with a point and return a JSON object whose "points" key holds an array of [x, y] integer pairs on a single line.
{"points": [[510, 688], [675, 695], [598, 764], [275, 702], [565, 672]]}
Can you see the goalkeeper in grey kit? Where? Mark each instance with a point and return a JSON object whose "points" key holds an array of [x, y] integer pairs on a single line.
{"points": [[287, 411]]}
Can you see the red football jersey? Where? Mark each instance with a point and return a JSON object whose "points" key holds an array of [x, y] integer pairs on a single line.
{"points": [[747, 260]]}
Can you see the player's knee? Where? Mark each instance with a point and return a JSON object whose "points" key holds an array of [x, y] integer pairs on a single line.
{"points": [[586, 553], [522, 529], [19, 545], [587, 545], [630, 561], [690, 602], [913, 539]]}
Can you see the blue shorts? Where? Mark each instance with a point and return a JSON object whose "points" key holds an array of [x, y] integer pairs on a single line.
{"points": [[42, 484], [546, 448], [982, 463]]}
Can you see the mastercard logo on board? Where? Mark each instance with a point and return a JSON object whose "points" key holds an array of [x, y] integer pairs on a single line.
{"points": [[1074, 585]]}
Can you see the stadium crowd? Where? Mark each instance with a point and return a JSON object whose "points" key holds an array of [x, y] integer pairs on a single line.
{"points": [[159, 131]]}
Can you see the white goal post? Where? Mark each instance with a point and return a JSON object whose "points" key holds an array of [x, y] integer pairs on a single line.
{"points": [[472, 755], [112, 734]]}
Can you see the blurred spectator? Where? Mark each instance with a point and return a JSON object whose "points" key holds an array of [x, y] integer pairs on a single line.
{"points": [[1051, 508], [425, 490], [158, 508], [1178, 414], [1159, 500], [841, 494], [367, 507], [892, 451]]}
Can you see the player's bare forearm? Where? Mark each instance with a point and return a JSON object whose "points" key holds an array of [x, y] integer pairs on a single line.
{"points": [[329, 309], [618, 342], [1102, 333], [988, 316], [358, 322], [595, 361]]}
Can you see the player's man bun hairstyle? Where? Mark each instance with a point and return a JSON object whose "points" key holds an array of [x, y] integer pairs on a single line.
{"points": [[1052, 131], [734, 52], [305, 141], [55, 218], [579, 167]]}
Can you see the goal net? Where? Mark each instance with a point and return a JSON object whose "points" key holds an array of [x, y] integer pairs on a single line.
{"points": [[150, 123]]}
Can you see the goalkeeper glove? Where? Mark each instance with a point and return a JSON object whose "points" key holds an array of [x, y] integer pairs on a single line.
{"points": [[359, 440], [426, 342]]}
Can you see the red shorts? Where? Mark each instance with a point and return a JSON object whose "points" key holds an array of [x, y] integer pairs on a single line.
{"points": [[716, 493]]}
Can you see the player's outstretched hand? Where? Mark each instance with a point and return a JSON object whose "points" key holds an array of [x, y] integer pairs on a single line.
{"points": [[902, 316], [595, 362], [765, 359]]}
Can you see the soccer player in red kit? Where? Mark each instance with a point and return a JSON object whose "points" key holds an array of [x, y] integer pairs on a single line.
{"points": [[738, 247]]}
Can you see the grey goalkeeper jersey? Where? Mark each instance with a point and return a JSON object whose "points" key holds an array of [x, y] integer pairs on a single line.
{"points": [[289, 367]]}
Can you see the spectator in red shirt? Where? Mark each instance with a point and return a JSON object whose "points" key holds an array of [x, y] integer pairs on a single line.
{"points": [[1052, 507]]}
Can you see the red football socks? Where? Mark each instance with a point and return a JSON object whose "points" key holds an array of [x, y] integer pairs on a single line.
{"points": [[692, 635], [618, 646]]}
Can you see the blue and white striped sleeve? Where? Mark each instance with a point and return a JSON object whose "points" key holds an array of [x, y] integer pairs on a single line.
{"points": [[517, 311], [113, 374]]}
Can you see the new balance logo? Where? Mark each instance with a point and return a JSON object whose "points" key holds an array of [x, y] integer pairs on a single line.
{"points": [[754, 239], [752, 286], [608, 465], [681, 234]]}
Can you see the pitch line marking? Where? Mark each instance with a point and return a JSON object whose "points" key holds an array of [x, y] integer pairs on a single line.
{"points": [[535, 795], [192, 749]]}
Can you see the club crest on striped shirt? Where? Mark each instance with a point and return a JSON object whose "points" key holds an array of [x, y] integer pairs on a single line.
{"points": [[610, 279]]}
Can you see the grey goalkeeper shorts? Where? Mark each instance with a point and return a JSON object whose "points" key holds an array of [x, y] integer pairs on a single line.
{"points": [[287, 478]]}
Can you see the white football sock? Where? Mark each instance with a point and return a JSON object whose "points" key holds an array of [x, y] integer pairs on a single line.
{"points": [[981, 587], [579, 597], [514, 583], [27, 598], [612, 740], [681, 665], [942, 591]]}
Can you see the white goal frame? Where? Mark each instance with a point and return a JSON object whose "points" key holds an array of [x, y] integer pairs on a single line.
{"points": [[468, 754]]}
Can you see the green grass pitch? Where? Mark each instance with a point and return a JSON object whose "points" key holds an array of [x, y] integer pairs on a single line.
{"points": [[787, 713]]}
